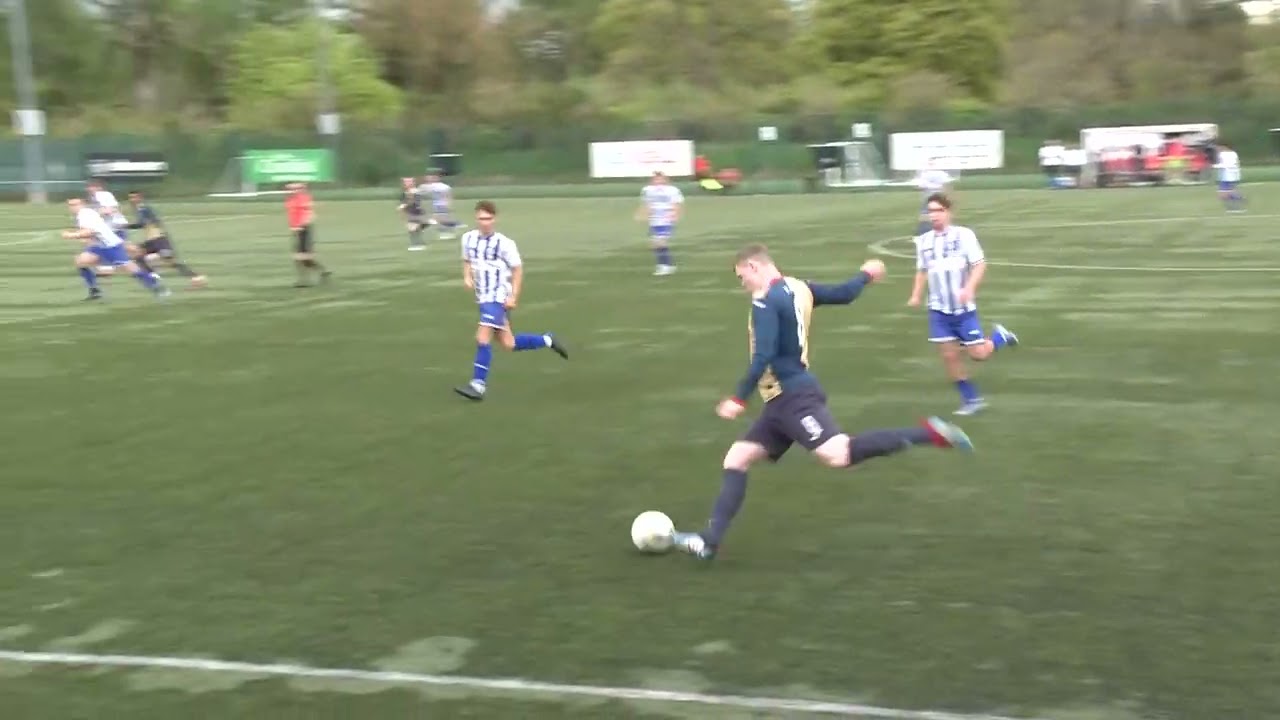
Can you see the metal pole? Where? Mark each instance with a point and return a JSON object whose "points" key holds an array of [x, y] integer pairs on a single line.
{"points": [[325, 95], [32, 147]]}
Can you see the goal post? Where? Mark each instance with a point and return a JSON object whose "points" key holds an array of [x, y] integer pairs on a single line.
{"points": [[849, 164], [260, 173], [236, 182]]}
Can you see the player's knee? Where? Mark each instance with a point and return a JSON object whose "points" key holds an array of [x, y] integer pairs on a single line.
{"points": [[742, 455], [84, 260], [981, 351], [508, 341], [834, 452]]}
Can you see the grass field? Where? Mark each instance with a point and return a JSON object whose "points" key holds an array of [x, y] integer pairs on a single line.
{"points": [[283, 478]]}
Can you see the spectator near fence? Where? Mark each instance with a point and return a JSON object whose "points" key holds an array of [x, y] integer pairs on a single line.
{"points": [[1051, 159]]}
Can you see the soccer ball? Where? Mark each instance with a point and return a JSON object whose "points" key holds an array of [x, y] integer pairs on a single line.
{"points": [[652, 532]]}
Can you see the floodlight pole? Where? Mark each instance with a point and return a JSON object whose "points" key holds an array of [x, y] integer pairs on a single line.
{"points": [[28, 120], [326, 115]]}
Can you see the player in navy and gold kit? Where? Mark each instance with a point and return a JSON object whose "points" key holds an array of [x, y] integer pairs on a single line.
{"points": [[795, 407], [415, 216], [157, 245]]}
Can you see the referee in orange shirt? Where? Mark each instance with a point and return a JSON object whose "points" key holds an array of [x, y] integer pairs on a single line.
{"points": [[301, 212]]}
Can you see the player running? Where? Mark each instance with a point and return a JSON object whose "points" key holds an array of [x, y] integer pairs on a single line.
{"points": [[795, 406], [414, 216], [441, 204], [491, 267], [104, 201], [300, 209], [102, 246], [951, 264], [1228, 167], [662, 203], [157, 246]]}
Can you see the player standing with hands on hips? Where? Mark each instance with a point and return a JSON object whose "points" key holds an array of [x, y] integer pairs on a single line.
{"points": [[795, 406]]}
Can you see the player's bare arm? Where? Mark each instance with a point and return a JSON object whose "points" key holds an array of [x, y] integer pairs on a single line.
{"points": [[969, 292], [917, 288], [467, 278], [517, 282]]}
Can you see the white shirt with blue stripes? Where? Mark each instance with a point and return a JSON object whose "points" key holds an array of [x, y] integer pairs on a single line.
{"points": [[947, 257], [89, 219], [493, 258]]}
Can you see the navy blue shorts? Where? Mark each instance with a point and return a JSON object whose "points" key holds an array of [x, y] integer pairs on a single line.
{"points": [[800, 416]]}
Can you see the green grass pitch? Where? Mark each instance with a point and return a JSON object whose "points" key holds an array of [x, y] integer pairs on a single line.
{"points": [[266, 475]]}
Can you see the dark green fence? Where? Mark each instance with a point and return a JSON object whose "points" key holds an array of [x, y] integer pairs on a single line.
{"points": [[558, 153]]}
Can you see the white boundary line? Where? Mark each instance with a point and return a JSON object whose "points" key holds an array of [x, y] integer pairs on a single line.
{"points": [[513, 685], [38, 236]]}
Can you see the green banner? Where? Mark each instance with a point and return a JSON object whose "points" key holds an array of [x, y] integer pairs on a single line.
{"points": [[267, 167]]}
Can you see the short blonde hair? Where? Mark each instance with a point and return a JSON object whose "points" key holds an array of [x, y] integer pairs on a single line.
{"points": [[754, 251]]}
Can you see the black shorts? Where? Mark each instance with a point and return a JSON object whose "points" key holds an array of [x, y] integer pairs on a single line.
{"points": [[158, 246], [800, 416], [303, 242]]}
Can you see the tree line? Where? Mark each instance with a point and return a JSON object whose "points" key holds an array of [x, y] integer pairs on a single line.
{"points": [[114, 65]]}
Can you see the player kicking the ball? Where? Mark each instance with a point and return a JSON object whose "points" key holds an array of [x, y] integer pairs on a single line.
{"points": [[795, 406]]}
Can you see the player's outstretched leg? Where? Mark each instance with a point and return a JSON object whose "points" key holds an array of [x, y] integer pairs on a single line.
{"points": [[527, 341], [879, 443], [148, 278]]}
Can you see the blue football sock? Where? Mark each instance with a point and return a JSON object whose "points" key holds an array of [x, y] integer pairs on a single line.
{"points": [[998, 340], [968, 391], [480, 369], [148, 280], [876, 443], [664, 256], [532, 342], [90, 277], [733, 490]]}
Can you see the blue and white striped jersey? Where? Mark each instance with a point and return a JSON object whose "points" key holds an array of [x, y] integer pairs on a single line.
{"points": [[493, 258], [105, 235], [109, 208], [440, 193], [1228, 166], [663, 202], [947, 257]]}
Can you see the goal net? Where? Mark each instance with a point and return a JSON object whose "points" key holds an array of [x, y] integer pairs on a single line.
{"points": [[237, 182], [851, 163]]}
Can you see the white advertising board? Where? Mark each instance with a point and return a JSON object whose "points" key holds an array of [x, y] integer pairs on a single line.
{"points": [[949, 150], [641, 158]]}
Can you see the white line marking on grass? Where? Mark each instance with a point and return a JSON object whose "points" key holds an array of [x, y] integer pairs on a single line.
{"points": [[882, 247], [30, 239], [1126, 221], [512, 685], [38, 236]]}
